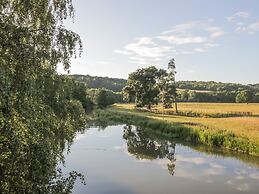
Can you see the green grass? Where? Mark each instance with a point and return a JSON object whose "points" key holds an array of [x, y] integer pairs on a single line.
{"points": [[238, 133], [247, 127]]}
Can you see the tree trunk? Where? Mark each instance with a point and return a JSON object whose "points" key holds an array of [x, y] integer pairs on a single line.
{"points": [[176, 108]]}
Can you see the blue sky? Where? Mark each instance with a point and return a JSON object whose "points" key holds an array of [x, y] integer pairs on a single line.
{"points": [[209, 39]]}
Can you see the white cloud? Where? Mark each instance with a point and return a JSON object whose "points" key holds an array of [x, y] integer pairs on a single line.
{"points": [[215, 31], [181, 28], [147, 48], [178, 40], [190, 34], [185, 38], [144, 50], [240, 14], [244, 23], [254, 26]]}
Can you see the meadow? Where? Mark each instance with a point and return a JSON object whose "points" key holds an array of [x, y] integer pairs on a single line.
{"points": [[242, 126], [241, 132], [218, 108]]}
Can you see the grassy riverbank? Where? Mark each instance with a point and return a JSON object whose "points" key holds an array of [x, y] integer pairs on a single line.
{"points": [[235, 133]]}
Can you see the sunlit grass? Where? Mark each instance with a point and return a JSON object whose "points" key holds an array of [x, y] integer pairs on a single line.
{"points": [[212, 108], [247, 127]]}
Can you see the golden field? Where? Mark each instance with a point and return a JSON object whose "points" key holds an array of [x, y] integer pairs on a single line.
{"points": [[247, 127], [212, 108]]}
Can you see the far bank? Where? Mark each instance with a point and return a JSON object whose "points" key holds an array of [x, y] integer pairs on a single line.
{"points": [[239, 133]]}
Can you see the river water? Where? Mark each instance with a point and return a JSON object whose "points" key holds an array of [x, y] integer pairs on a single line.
{"points": [[128, 160]]}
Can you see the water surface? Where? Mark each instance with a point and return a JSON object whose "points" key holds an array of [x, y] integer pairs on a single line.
{"points": [[128, 160]]}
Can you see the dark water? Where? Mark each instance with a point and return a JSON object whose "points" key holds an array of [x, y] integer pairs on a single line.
{"points": [[128, 160]]}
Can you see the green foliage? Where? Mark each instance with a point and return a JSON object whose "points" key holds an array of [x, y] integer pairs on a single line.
{"points": [[39, 110], [199, 96], [101, 98], [212, 86], [198, 134], [113, 84], [199, 91], [104, 96], [207, 91], [147, 86], [80, 93], [141, 84], [256, 97], [168, 93], [244, 96]]}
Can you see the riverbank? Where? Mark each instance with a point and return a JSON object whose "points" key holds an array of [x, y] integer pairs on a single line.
{"points": [[237, 133]]}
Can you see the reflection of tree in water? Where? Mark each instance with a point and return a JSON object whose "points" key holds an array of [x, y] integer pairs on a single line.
{"points": [[143, 146], [32, 167]]}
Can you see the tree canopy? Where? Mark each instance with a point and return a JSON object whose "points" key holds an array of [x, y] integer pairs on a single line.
{"points": [[148, 86], [39, 109]]}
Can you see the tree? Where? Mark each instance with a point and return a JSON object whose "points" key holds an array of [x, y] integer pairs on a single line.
{"points": [[166, 88], [171, 82], [162, 86], [243, 96], [143, 146], [142, 85], [102, 98], [79, 93], [147, 85], [185, 95], [256, 97], [36, 104]]}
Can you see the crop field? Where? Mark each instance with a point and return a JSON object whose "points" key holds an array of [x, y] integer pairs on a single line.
{"points": [[217, 108], [247, 127]]}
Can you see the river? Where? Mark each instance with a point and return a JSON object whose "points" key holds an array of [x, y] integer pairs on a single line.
{"points": [[128, 160]]}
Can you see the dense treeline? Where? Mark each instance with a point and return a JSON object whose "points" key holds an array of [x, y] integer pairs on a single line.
{"points": [[113, 84], [188, 91], [39, 110], [104, 97], [215, 86], [239, 96], [196, 96], [200, 91]]}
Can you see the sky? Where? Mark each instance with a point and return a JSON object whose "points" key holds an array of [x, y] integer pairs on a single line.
{"points": [[214, 40]]}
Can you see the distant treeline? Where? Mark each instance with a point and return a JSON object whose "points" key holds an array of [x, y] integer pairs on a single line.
{"points": [[200, 91], [113, 84], [188, 91], [240, 96], [215, 86]]}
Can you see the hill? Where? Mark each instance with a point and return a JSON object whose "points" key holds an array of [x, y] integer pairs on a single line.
{"points": [[215, 86], [188, 91], [113, 84], [116, 84]]}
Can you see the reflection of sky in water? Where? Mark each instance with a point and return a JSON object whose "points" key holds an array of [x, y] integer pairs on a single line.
{"points": [[109, 168]]}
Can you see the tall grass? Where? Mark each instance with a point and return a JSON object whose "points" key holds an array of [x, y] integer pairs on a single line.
{"points": [[195, 133]]}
